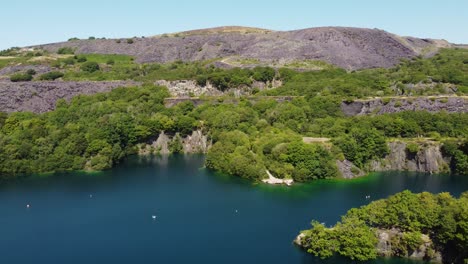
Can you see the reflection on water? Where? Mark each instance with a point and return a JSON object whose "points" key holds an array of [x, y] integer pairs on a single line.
{"points": [[202, 217]]}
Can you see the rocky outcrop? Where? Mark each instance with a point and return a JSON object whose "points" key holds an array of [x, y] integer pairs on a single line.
{"points": [[39, 69], [425, 251], [190, 88], [378, 106], [197, 142], [427, 159], [348, 170], [39, 97], [349, 48]]}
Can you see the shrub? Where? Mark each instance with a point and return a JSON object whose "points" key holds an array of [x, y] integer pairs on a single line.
{"points": [[130, 41], [110, 62], [51, 76], [264, 74], [73, 39], [90, 67], [92, 38], [9, 52], [21, 77], [31, 72], [68, 61], [118, 41], [412, 148], [66, 50], [81, 59]]}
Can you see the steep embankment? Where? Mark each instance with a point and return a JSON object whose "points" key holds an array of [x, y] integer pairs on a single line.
{"points": [[41, 97], [197, 142], [420, 156], [426, 158], [349, 48]]}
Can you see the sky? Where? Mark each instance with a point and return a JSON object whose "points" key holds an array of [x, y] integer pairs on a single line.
{"points": [[30, 22]]}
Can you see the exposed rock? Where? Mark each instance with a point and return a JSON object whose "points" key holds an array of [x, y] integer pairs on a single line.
{"points": [[348, 170], [40, 69], [298, 239], [425, 251], [190, 88], [41, 97], [160, 145], [378, 106], [428, 159], [273, 180], [349, 48], [195, 143]]}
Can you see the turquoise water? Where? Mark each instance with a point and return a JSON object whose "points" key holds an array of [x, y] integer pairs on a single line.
{"points": [[201, 217]]}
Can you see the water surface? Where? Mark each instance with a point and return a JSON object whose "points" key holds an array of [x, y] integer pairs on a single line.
{"points": [[201, 217]]}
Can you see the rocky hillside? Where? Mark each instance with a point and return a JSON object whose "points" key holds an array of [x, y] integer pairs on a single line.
{"points": [[39, 97], [349, 48], [378, 106]]}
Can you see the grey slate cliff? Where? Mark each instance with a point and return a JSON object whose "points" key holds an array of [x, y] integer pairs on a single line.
{"points": [[378, 106], [428, 159]]}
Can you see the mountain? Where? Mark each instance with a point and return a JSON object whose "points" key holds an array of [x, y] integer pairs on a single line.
{"points": [[349, 48]]}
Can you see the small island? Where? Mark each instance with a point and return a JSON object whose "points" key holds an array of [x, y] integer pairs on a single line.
{"points": [[431, 227]]}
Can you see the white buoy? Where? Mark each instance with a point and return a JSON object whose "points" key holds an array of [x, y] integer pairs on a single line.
{"points": [[236, 210], [153, 216], [90, 196], [27, 206]]}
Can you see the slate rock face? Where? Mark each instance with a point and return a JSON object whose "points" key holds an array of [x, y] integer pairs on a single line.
{"points": [[349, 48], [428, 159], [39, 97], [378, 106]]}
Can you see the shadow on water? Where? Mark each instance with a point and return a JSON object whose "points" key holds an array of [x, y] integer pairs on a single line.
{"points": [[199, 216]]}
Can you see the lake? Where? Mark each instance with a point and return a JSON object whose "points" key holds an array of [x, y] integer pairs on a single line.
{"points": [[172, 210]]}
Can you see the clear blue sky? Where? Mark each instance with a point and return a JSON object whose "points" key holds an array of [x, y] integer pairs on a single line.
{"points": [[29, 22]]}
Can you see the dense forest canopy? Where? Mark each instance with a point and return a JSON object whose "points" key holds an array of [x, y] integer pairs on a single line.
{"points": [[440, 216]]}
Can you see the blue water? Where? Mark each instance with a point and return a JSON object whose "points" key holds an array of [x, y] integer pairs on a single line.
{"points": [[107, 217]]}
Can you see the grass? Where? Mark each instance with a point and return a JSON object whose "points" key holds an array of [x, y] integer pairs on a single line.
{"points": [[4, 62], [309, 65]]}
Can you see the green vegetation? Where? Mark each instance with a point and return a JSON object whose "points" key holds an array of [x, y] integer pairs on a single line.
{"points": [[51, 76], [31, 72], [90, 132], [90, 67], [21, 77], [431, 75], [249, 138], [66, 50], [441, 217]]}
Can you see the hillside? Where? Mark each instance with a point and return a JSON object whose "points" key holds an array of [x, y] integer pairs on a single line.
{"points": [[349, 48]]}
